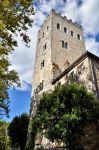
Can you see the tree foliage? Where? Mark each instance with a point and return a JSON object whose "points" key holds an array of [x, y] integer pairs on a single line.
{"points": [[15, 18], [4, 139], [63, 113], [17, 131]]}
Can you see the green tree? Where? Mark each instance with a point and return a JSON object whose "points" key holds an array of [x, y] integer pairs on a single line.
{"points": [[15, 18], [63, 113], [4, 138], [17, 131]]}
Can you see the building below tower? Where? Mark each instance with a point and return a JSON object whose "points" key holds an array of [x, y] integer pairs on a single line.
{"points": [[61, 57]]}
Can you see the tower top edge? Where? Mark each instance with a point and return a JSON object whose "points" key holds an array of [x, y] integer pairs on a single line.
{"points": [[66, 19], [53, 12]]}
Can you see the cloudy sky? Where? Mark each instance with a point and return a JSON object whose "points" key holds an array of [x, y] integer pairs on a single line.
{"points": [[85, 12]]}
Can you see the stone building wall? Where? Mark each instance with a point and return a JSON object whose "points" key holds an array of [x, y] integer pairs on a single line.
{"points": [[75, 47], [95, 67], [85, 74], [88, 141], [52, 59], [51, 54], [90, 138], [42, 74]]}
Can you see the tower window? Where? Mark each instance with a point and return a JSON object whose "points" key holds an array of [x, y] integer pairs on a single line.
{"points": [[42, 64], [62, 43], [78, 36], [58, 26], [44, 47], [39, 40], [65, 29], [47, 27], [72, 33], [43, 34], [66, 45]]}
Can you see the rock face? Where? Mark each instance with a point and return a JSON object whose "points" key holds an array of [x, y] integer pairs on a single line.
{"points": [[60, 57]]}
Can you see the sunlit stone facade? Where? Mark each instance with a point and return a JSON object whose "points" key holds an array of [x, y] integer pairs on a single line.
{"points": [[60, 57]]}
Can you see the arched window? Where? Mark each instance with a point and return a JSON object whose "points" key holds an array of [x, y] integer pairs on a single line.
{"points": [[58, 26], [66, 45], [47, 27], [62, 43], [78, 36], [65, 29], [42, 64], [44, 47], [71, 33], [43, 34]]}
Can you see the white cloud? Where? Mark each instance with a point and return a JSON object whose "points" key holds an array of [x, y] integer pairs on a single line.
{"points": [[92, 46], [22, 58], [90, 15]]}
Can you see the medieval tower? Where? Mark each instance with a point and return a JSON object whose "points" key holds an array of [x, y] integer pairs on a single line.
{"points": [[59, 43], [61, 53]]}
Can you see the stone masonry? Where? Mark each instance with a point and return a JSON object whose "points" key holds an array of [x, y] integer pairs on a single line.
{"points": [[59, 43], [60, 57]]}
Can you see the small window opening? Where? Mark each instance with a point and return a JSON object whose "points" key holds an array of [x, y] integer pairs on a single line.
{"points": [[78, 36], [71, 33], [47, 27], [41, 85], [58, 26], [44, 47], [39, 40], [65, 29], [66, 45], [42, 64], [43, 34], [62, 43]]}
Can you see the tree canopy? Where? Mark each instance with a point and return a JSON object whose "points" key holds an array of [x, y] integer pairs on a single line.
{"points": [[4, 139], [63, 113], [15, 18], [17, 131]]}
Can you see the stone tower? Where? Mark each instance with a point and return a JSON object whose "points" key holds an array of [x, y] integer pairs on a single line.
{"points": [[59, 43], [61, 53]]}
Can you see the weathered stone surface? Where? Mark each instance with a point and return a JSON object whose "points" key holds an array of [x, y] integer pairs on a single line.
{"points": [[52, 59], [49, 50]]}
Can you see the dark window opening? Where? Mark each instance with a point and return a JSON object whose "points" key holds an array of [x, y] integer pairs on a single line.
{"points": [[71, 33], [58, 26], [65, 29], [62, 43], [47, 27], [78, 36], [66, 45], [42, 64], [44, 47], [39, 39], [43, 34]]}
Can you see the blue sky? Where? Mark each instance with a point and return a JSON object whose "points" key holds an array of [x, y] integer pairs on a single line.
{"points": [[85, 12]]}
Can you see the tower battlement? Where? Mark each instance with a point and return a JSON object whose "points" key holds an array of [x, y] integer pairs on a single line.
{"points": [[61, 56], [63, 17], [59, 43]]}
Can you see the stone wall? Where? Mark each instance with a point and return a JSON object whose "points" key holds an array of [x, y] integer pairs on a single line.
{"points": [[51, 59], [86, 73], [61, 56], [49, 49], [90, 139]]}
